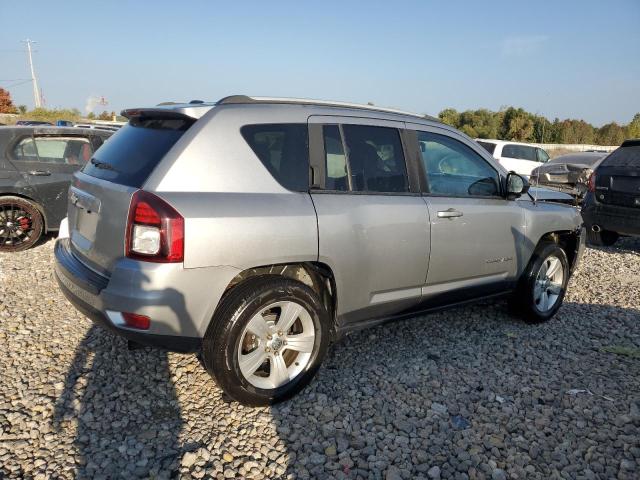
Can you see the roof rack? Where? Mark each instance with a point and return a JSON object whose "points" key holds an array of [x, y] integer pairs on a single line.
{"points": [[245, 99]]}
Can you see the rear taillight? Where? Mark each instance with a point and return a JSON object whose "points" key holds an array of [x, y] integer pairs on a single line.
{"points": [[155, 230], [591, 184]]}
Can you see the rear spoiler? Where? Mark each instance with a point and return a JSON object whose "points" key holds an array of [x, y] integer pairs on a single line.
{"points": [[193, 111]]}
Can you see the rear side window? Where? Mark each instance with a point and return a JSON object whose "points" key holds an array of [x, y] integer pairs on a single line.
{"points": [[623, 157], [521, 152], [131, 154], [489, 147], [64, 150], [283, 149], [375, 158]]}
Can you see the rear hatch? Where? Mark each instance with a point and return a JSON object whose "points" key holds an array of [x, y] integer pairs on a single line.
{"points": [[618, 177], [100, 194]]}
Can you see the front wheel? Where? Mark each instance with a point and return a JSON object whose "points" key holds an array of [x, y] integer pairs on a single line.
{"points": [[266, 340], [543, 285]]}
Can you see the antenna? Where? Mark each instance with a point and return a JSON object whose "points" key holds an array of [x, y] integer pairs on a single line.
{"points": [[37, 99]]}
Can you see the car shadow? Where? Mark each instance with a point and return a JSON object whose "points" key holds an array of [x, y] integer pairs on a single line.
{"points": [[624, 244], [121, 405], [445, 391]]}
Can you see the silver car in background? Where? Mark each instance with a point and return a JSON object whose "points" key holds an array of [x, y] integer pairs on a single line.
{"points": [[257, 230]]}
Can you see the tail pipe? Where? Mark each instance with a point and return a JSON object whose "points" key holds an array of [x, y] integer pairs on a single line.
{"points": [[596, 228]]}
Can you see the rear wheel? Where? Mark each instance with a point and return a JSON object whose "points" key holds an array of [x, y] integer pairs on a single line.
{"points": [[603, 238], [21, 224], [542, 287], [266, 340]]}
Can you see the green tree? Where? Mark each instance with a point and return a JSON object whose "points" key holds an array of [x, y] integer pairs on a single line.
{"points": [[450, 116], [633, 129], [22, 109], [611, 134], [91, 115], [517, 124], [104, 116]]}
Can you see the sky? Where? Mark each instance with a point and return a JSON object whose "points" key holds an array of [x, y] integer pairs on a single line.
{"points": [[566, 59]]}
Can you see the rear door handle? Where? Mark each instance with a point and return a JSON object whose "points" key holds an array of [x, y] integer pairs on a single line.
{"points": [[450, 213], [39, 173]]}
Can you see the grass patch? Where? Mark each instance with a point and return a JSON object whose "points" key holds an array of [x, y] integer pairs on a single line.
{"points": [[620, 350]]}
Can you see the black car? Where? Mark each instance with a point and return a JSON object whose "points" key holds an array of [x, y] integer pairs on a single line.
{"points": [[567, 173], [36, 166], [612, 206]]}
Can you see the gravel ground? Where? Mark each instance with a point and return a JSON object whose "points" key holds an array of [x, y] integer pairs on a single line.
{"points": [[469, 393]]}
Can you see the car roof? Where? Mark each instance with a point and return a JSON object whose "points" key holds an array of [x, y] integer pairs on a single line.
{"points": [[504, 142], [52, 129], [196, 109]]}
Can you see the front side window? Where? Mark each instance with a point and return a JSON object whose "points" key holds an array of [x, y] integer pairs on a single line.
{"points": [[337, 174], [376, 160], [543, 157], [521, 152], [284, 150], [54, 149], [454, 169]]}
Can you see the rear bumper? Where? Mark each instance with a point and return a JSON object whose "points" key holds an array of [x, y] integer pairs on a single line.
{"points": [[177, 300], [621, 220]]}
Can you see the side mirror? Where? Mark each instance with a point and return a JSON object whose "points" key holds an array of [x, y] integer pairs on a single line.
{"points": [[516, 186]]}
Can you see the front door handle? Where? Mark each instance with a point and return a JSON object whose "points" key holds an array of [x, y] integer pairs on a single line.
{"points": [[450, 213], [39, 173]]}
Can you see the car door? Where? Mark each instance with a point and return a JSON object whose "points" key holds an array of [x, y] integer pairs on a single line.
{"points": [[373, 225], [475, 230], [47, 162]]}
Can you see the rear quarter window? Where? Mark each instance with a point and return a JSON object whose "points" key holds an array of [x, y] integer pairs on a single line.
{"points": [[489, 147], [284, 150], [131, 154]]}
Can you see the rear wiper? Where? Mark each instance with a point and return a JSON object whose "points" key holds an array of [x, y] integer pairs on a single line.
{"points": [[103, 165]]}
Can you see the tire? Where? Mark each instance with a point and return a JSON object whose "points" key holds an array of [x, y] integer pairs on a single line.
{"points": [[529, 299], [237, 331], [21, 224], [603, 238]]}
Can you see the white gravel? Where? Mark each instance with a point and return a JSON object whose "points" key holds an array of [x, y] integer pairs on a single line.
{"points": [[471, 393]]}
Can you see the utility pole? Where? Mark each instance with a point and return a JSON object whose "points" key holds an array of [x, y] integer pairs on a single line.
{"points": [[36, 91]]}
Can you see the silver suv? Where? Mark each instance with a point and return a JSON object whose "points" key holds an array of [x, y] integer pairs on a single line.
{"points": [[257, 230]]}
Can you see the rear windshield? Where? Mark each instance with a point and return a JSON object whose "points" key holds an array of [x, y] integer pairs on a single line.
{"points": [[131, 154], [628, 156], [489, 147]]}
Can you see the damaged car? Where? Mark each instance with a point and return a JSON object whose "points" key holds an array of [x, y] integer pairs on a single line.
{"points": [[567, 173], [611, 207], [36, 166]]}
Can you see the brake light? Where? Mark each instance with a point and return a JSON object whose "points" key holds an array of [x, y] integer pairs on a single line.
{"points": [[134, 320], [155, 230], [591, 184]]}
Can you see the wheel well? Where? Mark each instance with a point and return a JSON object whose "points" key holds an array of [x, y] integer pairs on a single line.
{"points": [[35, 203], [568, 241], [315, 275]]}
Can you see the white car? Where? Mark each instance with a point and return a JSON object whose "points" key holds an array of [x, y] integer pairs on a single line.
{"points": [[521, 158]]}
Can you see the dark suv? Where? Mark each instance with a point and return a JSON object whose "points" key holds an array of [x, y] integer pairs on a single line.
{"points": [[612, 205], [36, 166]]}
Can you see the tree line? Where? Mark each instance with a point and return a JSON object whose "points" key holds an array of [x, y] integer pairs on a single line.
{"points": [[519, 125]]}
